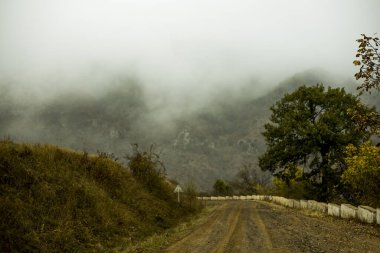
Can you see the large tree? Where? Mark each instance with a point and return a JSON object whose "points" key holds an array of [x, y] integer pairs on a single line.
{"points": [[311, 128]]}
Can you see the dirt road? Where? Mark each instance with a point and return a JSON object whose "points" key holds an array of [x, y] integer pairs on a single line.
{"points": [[255, 226]]}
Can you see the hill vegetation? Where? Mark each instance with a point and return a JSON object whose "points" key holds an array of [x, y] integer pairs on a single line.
{"points": [[214, 141], [58, 200]]}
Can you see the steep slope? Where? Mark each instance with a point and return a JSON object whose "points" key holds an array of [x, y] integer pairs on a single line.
{"points": [[57, 200]]}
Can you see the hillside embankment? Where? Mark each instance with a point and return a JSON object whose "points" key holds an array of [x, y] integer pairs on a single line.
{"points": [[58, 200]]}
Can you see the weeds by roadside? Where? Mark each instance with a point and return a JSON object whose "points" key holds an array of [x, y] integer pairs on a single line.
{"points": [[58, 200]]}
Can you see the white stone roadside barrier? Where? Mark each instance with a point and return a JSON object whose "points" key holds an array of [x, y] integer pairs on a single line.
{"points": [[348, 211], [296, 204], [333, 210], [367, 214], [303, 204]]}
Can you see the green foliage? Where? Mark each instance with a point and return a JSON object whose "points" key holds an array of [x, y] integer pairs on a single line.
{"points": [[369, 64], [57, 200], [222, 188], [369, 55], [292, 184], [148, 169], [311, 128], [362, 176], [364, 120]]}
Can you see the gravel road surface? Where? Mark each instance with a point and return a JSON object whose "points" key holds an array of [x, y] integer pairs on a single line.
{"points": [[256, 226]]}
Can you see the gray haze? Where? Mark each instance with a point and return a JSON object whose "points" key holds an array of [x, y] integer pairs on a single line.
{"points": [[181, 47], [196, 77]]}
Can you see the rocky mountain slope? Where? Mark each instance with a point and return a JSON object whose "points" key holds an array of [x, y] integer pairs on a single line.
{"points": [[197, 146]]}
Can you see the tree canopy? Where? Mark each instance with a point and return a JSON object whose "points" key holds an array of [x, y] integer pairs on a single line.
{"points": [[311, 128]]}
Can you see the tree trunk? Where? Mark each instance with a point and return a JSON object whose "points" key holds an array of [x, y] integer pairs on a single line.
{"points": [[325, 177]]}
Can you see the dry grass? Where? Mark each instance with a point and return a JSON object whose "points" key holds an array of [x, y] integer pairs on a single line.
{"points": [[159, 241], [58, 200]]}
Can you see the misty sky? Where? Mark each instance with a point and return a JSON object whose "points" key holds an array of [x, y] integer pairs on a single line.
{"points": [[176, 45]]}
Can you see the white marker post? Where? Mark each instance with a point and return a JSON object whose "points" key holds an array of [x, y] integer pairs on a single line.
{"points": [[178, 189]]}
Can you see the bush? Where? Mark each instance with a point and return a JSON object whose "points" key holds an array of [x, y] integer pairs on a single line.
{"points": [[189, 197], [222, 188], [149, 170], [291, 184], [362, 177]]}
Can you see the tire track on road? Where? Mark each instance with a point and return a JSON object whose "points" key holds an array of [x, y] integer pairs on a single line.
{"points": [[203, 237], [267, 242], [239, 242], [231, 230], [256, 226], [260, 216]]}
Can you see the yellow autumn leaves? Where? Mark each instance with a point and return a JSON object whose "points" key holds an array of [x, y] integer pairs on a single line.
{"points": [[362, 175]]}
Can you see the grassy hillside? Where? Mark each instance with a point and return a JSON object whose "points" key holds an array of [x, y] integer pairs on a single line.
{"points": [[57, 200]]}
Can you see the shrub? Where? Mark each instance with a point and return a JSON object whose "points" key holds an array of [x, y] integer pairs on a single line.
{"points": [[362, 177]]}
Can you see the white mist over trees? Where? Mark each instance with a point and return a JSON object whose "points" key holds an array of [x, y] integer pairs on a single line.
{"points": [[104, 74]]}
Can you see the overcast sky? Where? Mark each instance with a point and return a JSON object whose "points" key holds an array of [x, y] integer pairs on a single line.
{"points": [[176, 44]]}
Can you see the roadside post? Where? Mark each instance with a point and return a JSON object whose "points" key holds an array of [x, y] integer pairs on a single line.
{"points": [[178, 189]]}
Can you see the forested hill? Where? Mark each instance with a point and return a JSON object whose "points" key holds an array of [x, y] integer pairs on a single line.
{"points": [[199, 146]]}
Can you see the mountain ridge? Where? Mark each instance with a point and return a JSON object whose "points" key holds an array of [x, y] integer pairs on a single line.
{"points": [[198, 146]]}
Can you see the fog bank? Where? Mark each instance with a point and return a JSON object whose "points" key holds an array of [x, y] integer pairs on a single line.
{"points": [[176, 48]]}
